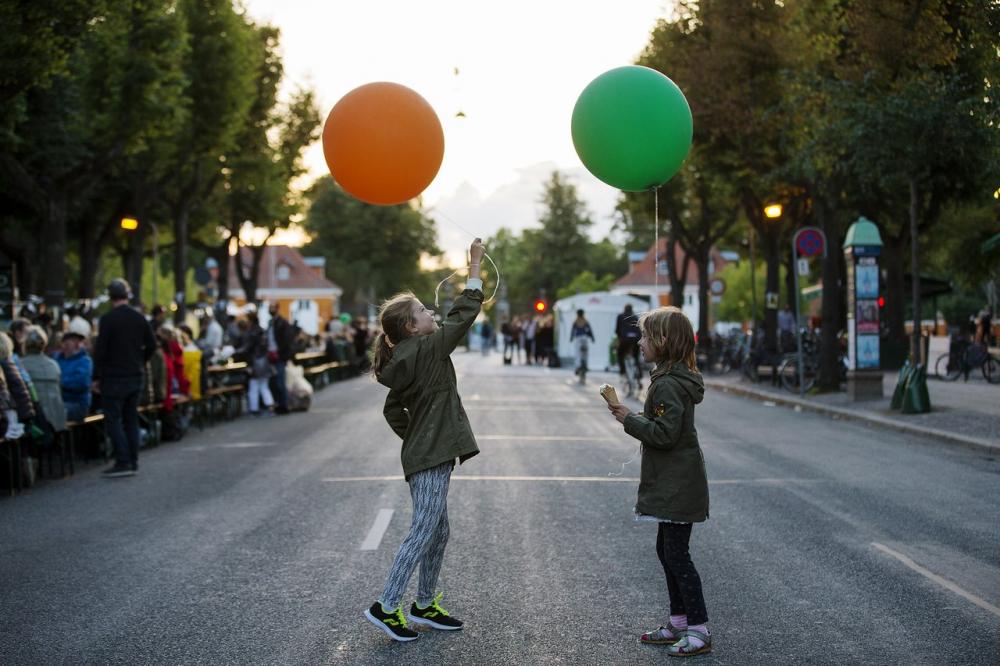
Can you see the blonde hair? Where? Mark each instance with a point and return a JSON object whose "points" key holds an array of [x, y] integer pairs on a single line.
{"points": [[670, 336], [35, 340], [6, 346], [393, 318]]}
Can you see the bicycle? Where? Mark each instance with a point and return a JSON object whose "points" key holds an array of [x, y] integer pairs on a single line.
{"points": [[582, 352], [976, 355], [788, 371], [633, 384]]}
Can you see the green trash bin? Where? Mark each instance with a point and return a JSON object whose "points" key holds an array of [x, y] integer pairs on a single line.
{"points": [[905, 374], [916, 399]]}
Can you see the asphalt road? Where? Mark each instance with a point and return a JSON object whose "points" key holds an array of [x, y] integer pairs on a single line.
{"points": [[828, 543]]}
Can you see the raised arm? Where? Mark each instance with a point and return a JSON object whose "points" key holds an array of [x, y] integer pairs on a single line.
{"points": [[466, 308]]}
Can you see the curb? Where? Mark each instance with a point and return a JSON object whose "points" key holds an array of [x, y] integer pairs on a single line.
{"points": [[977, 443]]}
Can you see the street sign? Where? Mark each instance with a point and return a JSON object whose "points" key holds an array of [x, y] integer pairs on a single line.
{"points": [[717, 286], [803, 265], [810, 243]]}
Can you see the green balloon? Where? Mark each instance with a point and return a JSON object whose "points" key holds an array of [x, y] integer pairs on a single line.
{"points": [[632, 128], [345, 318]]}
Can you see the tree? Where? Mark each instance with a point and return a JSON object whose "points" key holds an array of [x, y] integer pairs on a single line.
{"points": [[727, 57], [372, 251], [562, 240], [266, 158], [584, 283], [219, 93], [35, 46]]}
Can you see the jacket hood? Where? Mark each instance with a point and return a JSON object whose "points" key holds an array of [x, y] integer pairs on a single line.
{"points": [[399, 373], [689, 380]]}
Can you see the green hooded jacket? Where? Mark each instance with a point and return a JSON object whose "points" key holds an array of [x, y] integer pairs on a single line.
{"points": [[672, 484], [423, 406]]}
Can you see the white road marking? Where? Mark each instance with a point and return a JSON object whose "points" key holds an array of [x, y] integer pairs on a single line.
{"points": [[943, 582], [500, 408], [547, 438], [247, 445], [584, 479], [377, 531]]}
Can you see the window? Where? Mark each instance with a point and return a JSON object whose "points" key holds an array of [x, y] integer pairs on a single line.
{"points": [[284, 272]]}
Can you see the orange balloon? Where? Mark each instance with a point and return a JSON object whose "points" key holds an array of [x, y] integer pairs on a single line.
{"points": [[383, 143]]}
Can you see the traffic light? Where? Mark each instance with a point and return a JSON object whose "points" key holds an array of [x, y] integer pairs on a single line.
{"points": [[881, 302], [541, 306]]}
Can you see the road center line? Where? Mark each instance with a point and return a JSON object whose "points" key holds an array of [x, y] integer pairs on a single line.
{"points": [[377, 531], [943, 582]]}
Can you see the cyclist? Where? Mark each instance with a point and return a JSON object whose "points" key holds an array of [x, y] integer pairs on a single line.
{"points": [[627, 330], [578, 336]]}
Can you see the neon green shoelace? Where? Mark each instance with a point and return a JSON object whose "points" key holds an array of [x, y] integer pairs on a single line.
{"points": [[400, 620], [436, 604]]}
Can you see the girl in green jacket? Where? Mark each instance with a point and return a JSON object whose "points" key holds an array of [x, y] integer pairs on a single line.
{"points": [[412, 357], [673, 486]]}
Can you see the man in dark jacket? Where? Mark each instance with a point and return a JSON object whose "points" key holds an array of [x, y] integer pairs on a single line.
{"points": [[124, 343], [279, 350]]}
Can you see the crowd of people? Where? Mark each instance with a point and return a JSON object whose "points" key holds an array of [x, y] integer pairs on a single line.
{"points": [[535, 334], [57, 370]]}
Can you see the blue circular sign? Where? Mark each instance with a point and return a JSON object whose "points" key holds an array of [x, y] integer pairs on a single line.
{"points": [[809, 243]]}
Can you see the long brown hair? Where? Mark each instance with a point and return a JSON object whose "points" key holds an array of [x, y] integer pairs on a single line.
{"points": [[393, 318], [670, 335]]}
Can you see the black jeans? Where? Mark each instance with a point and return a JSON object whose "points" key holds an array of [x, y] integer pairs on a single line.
{"points": [[120, 400], [683, 581]]}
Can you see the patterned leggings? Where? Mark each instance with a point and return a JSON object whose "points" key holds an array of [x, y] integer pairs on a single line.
{"points": [[683, 581], [427, 538]]}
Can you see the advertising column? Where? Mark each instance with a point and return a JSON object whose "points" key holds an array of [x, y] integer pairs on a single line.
{"points": [[862, 249]]}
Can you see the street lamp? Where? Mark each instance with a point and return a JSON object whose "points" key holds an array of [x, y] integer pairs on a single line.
{"points": [[771, 212], [132, 224]]}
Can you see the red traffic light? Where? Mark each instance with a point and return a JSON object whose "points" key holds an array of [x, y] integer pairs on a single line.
{"points": [[540, 306], [881, 302]]}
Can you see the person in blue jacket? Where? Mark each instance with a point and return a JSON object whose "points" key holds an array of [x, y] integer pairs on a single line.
{"points": [[77, 370]]}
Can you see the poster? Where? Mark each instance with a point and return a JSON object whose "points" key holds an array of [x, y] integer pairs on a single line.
{"points": [[868, 351], [867, 317], [866, 285]]}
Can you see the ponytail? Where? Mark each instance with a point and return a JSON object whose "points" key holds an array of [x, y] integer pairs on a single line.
{"points": [[381, 353]]}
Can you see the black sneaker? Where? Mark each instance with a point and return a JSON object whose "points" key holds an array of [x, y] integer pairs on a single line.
{"points": [[117, 470], [393, 624], [435, 616]]}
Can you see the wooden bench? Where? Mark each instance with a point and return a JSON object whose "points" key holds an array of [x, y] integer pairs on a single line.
{"points": [[321, 375], [10, 451], [223, 395]]}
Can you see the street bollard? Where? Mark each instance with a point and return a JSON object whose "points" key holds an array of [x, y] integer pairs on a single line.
{"points": [[904, 378], [916, 399]]}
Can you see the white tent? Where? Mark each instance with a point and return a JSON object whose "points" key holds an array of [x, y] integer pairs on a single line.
{"points": [[601, 308]]}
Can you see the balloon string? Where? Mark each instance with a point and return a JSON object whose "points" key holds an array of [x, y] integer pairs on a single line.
{"points": [[628, 462], [487, 301], [495, 268], [656, 244]]}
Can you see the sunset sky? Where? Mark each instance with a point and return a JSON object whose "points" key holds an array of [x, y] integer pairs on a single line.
{"points": [[514, 69]]}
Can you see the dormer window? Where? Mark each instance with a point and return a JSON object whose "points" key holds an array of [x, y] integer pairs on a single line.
{"points": [[284, 272]]}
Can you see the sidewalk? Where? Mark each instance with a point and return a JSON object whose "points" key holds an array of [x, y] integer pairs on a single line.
{"points": [[961, 413], [966, 414]]}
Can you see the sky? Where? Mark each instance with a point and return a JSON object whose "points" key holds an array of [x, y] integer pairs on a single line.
{"points": [[513, 68]]}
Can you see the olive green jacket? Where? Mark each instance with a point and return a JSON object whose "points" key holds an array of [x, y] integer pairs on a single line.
{"points": [[672, 483], [423, 406]]}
